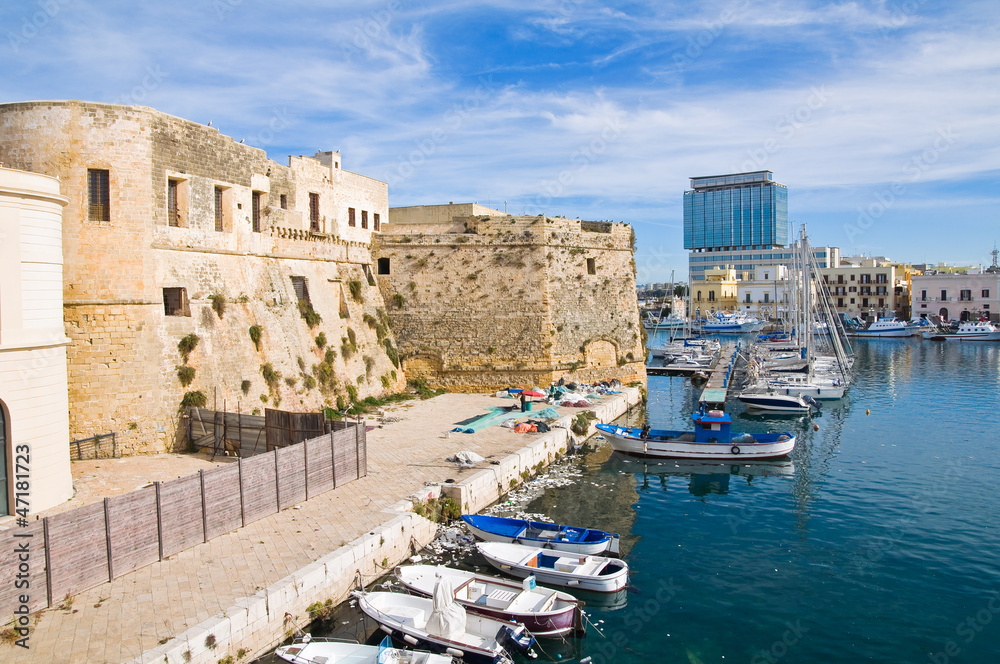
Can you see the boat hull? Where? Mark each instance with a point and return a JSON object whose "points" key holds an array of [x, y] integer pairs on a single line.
{"points": [[559, 612], [505, 559], [315, 650], [480, 526], [775, 402], [629, 441]]}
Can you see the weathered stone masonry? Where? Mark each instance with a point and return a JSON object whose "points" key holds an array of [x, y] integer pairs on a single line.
{"points": [[123, 359], [482, 300]]}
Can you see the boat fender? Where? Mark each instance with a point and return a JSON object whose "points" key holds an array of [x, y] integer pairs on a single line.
{"points": [[454, 652], [715, 413], [385, 629], [734, 449], [409, 639]]}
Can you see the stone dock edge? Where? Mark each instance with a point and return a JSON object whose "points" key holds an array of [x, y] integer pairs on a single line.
{"points": [[257, 623]]}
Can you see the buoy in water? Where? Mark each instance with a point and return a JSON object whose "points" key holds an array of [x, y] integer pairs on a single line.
{"points": [[815, 427], [868, 411]]}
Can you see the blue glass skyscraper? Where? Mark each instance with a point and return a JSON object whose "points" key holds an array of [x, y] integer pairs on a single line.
{"points": [[733, 219]]}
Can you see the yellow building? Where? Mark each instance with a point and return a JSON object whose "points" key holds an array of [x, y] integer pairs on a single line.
{"points": [[716, 293]]}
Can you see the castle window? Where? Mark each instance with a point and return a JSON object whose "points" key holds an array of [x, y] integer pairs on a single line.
{"points": [[219, 210], [176, 201], [591, 266], [364, 219], [377, 224], [255, 211], [314, 212], [99, 194], [283, 201], [301, 288], [383, 263], [350, 216], [175, 302]]}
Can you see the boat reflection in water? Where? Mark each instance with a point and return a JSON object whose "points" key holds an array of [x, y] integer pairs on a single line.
{"points": [[604, 601], [707, 477]]}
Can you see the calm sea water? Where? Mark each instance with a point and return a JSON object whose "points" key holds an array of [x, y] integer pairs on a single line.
{"points": [[879, 541]]}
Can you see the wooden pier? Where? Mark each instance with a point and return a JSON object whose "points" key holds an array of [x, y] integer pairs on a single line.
{"points": [[714, 393]]}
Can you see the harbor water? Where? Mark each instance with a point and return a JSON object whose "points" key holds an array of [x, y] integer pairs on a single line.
{"points": [[877, 541]]}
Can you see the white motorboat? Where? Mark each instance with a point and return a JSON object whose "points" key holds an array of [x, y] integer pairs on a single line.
{"points": [[442, 625], [885, 327], [967, 331], [543, 611], [312, 650], [780, 403], [733, 323], [557, 568]]}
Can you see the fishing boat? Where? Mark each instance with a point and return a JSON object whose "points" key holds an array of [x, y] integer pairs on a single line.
{"points": [[885, 327], [557, 568], [732, 323], [967, 331], [538, 533], [442, 625], [711, 439], [781, 403], [543, 611], [312, 650]]}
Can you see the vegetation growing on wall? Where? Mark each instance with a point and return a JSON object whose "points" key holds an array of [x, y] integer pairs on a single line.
{"points": [[357, 293], [196, 399], [218, 303], [309, 315], [187, 345], [185, 374], [255, 334]]}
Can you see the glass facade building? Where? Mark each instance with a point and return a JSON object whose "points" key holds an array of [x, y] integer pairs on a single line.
{"points": [[744, 216]]}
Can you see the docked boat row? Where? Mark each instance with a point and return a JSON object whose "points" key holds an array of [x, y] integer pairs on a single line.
{"points": [[481, 619]]}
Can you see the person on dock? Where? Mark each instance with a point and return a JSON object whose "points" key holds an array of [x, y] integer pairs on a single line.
{"points": [[524, 401]]}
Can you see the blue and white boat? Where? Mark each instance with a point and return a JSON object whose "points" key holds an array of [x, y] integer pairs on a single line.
{"points": [[737, 323], [711, 439], [587, 541], [885, 327]]}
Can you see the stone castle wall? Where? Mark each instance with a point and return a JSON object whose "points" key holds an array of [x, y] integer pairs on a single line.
{"points": [[503, 300], [124, 358]]}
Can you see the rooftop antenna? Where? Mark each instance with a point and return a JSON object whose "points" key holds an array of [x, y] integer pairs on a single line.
{"points": [[995, 253]]}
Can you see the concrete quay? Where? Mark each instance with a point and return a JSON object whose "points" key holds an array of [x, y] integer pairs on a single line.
{"points": [[232, 593]]}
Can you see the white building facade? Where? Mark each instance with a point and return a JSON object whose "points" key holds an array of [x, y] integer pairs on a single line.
{"points": [[34, 405]]}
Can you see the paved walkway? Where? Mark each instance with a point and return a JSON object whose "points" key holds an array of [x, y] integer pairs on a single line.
{"points": [[117, 621]]}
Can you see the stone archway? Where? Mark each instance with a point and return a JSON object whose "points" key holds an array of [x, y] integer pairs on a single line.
{"points": [[943, 313], [600, 353]]}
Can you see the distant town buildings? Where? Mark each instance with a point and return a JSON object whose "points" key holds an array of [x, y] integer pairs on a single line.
{"points": [[973, 295]]}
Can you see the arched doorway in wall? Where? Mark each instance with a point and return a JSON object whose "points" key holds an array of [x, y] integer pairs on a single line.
{"points": [[943, 313], [964, 316], [4, 462]]}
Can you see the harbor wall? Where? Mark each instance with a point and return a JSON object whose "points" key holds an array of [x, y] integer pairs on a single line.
{"points": [[257, 623]]}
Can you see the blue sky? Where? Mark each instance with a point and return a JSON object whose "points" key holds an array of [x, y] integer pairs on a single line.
{"points": [[883, 118]]}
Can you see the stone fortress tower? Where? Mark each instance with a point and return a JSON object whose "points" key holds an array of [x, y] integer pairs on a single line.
{"points": [[481, 300], [173, 229]]}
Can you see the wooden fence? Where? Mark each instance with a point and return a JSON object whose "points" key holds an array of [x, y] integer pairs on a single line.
{"points": [[76, 550], [249, 435]]}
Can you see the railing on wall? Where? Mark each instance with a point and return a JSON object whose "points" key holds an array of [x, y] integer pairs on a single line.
{"points": [[90, 448], [81, 548]]}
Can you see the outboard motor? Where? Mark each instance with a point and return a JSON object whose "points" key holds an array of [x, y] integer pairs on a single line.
{"points": [[809, 400], [517, 640]]}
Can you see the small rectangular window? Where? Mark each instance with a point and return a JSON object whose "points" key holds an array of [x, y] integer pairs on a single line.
{"points": [[175, 302], [314, 212], [301, 288], [840, 301], [219, 226], [591, 266], [364, 219], [852, 300], [383, 263], [944, 296], [375, 219], [986, 292], [283, 201], [255, 211], [350, 216], [99, 194], [173, 205]]}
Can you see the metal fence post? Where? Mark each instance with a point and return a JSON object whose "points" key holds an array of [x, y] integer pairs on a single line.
{"points": [[243, 512], [277, 482], [48, 562], [204, 507], [107, 535], [159, 519]]}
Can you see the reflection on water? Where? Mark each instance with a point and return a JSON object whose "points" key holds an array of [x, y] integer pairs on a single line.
{"points": [[702, 477]]}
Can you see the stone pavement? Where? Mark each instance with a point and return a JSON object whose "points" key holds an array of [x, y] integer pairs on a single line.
{"points": [[118, 621]]}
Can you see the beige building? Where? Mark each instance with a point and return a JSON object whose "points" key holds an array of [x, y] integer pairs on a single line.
{"points": [[957, 296], [869, 289], [480, 300], [718, 292], [766, 292], [172, 230], [34, 424]]}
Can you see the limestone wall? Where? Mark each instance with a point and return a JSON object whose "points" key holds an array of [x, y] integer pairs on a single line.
{"points": [[512, 301], [120, 274]]}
